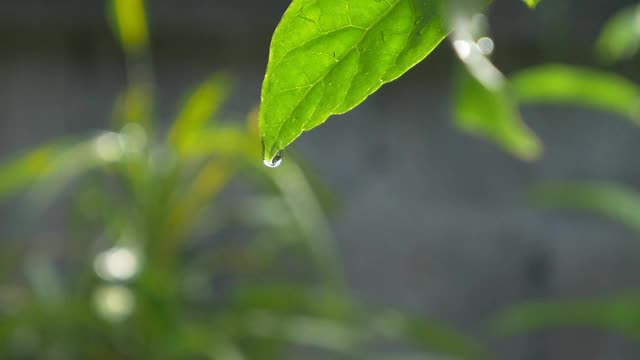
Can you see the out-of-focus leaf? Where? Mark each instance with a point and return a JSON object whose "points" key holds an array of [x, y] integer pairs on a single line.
{"points": [[226, 351], [130, 24], [20, 172], [557, 84], [75, 159], [308, 214], [532, 3], [483, 103], [228, 141], [197, 110], [209, 181], [614, 201], [327, 56], [620, 314], [491, 113], [304, 330], [309, 316], [428, 335], [317, 301], [620, 37], [134, 105], [201, 340]]}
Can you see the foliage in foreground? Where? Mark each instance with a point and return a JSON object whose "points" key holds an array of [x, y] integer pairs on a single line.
{"points": [[153, 261], [327, 57]]}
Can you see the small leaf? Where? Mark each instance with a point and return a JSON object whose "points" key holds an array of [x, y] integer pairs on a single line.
{"points": [[134, 105], [614, 201], [327, 56], [557, 84], [130, 24], [49, 168], [621, 314], [490, 112], [305, 330], [483, 103], [532, 3], [227, 141], [426, 334], [197, 110], [22, 171], [209, 181], [620, 37]]}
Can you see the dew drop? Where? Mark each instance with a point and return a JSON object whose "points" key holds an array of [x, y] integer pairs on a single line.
{"points": [[276, 161], [485, 44]]}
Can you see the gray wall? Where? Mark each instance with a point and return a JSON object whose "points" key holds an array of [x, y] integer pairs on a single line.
{"points": [[430, 220]]}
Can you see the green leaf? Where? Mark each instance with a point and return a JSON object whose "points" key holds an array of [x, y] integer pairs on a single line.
{"points": [[614, 201], [134, 105], [621, 314], [483, 104], [426, 334], [490, 112], [532, 3], [22, 171], [130, 24], [198, 110], [228, 141], [327, 56], [49, 168], [305, 330], [557, 84], [620, 37]]}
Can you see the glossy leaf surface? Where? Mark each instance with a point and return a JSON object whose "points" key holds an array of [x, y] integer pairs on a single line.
{"points": [[327, 56]]}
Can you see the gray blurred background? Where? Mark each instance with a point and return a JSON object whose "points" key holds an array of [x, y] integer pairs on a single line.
{"points": [[430, 220]]}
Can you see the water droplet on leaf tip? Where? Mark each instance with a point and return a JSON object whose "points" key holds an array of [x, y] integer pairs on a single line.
{"points": [[276, 161]]}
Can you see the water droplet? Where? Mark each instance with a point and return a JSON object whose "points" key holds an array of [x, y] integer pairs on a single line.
{"points": [[276, 161], [486, 46]]}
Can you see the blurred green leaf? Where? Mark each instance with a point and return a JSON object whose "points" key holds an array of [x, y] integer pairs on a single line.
{"points": [[615, 201], [490, 112], [557, 84], [134, 105], [186, 213], [287, 298], [305, 209], [426, 334], [532, 3], [304, 330], [620, 37], [483, 102], [226, 351], [327, 57], [198, 110], [76, 159], [49, 168], [620, 314], [22, 171], [130, 24], [222, 140]]}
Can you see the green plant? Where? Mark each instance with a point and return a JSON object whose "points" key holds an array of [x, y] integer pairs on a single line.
{"points": [[619, 313], [152, 262], [326, 57]]}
